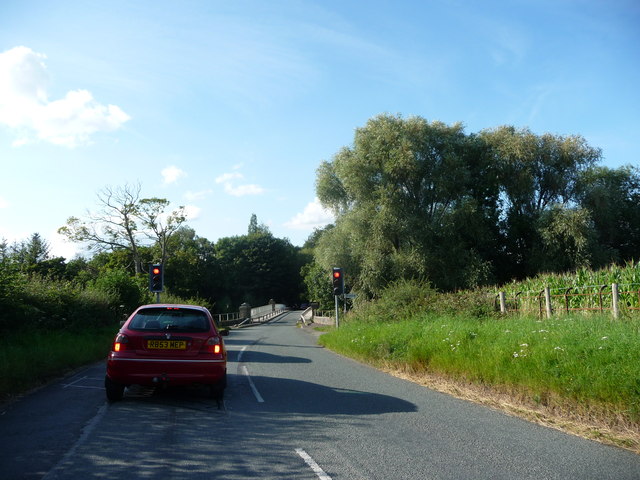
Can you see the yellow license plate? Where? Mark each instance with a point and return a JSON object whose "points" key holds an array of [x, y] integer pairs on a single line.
{"points": [[167, 344]]}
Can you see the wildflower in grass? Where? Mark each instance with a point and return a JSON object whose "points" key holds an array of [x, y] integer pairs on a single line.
{"points": [[604, 338], [559, 349], [524, 344]]}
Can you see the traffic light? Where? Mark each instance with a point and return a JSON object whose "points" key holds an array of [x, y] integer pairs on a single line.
{"points": [[156, 278], [338, 281]]}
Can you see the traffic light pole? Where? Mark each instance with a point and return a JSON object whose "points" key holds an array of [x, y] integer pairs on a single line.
{"points": [[337, 312]]}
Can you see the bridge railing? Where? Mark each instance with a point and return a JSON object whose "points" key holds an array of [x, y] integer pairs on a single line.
{"points": [[258, 315]]}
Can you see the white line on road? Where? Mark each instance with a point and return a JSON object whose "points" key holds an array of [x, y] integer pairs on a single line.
{"points": [[253, 387], [72, 384], [312, 463], [241, 352]]}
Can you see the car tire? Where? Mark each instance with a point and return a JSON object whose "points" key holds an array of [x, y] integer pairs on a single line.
{"points": [[115, 391], [216, 391]]}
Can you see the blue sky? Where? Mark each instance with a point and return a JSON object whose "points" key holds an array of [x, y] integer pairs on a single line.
{"points": [[228, 107]]}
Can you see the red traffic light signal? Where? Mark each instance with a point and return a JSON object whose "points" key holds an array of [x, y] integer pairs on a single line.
{"points": [[338, 281], [156, 278]]}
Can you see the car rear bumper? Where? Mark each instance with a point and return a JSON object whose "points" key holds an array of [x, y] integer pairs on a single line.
{"points": [[144, 371]]}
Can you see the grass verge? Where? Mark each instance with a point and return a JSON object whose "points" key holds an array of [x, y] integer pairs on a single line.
{"points": [[569, 370], [29, 359]]}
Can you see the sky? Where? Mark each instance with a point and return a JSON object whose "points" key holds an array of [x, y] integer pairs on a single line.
{"points": [[229, 107]]}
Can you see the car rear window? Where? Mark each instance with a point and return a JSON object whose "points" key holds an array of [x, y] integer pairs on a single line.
{"points": [[173, 319]]}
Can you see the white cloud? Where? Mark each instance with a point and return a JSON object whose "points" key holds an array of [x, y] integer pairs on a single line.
{"points": [[172, 174], [243, 190], [238, 190], [26, 108], [227, 177], [192, 212], [313, 216], [191, 196]]}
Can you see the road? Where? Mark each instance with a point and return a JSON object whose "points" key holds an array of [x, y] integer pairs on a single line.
{"points": [[293, 410]]}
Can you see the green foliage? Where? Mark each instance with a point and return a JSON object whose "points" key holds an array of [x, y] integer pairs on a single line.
{"points": [[400, 299], [423, 200], [583, 288], [318, 285], [119, 285], [259, 267], [397, 192], [30, 357], [568, 238], [613, 198]]}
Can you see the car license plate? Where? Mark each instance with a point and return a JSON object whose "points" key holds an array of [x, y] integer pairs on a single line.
{"points": [[167, 344]]}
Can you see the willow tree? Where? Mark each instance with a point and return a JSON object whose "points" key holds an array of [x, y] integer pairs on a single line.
{"points": [[537, 174], [399, 193]]}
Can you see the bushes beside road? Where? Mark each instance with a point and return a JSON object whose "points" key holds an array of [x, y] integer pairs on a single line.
{"points": [[49, 326]]}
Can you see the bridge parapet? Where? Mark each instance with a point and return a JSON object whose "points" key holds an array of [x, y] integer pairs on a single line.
{"points": [[249, 316]]}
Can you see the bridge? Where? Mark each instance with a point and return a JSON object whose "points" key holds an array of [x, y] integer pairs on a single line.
{"points": [[248, 315]]}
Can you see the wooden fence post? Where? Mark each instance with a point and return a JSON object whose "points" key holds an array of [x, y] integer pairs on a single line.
{"points": [[547, 301], [614, 300], [503, 302]]}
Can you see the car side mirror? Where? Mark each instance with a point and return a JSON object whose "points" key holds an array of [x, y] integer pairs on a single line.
{"points": [[224, 332]]}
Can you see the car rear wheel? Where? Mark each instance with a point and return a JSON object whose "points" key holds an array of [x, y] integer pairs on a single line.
{"points": [[115, 391], [216, 391]]}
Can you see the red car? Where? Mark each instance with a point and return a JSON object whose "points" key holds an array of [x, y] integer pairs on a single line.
{"points": [[167, 345]]}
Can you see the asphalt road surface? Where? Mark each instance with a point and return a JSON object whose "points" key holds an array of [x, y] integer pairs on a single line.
{"points": [[292, 410]]}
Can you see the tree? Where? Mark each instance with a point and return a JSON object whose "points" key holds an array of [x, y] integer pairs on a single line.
{"points": [[424, 201], [612, 196], [259, 267], [194, 270], [535, 172], [255, 228], [30, 252], [568, 239], [396, 194], [124, 221], [317, 281], [113, 227], [160, 226]]}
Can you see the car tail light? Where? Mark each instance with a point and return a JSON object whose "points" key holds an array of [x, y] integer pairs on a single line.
{"points": [[214, 345], [120, 342]]}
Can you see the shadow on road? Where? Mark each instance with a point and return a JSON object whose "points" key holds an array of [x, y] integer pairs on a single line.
{"points": [[283, 395], [263, 357]]}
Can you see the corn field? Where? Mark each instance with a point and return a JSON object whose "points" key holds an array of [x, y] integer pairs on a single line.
{"points": [[581, 291]]}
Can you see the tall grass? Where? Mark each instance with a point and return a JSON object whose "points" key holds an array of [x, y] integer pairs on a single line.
{"points": [[30, 357], [591, 361]]}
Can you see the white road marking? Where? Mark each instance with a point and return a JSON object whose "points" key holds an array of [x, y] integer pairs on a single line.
{"points": [[72, 384], [253, 387], [241, 352], [312, 463], [84, 386]]}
